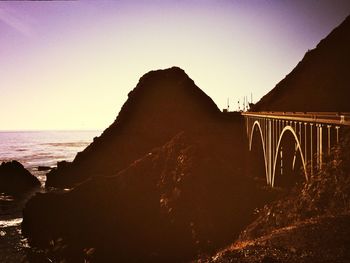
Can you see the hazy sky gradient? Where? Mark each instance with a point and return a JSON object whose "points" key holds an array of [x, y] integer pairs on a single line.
{"points": [[70, 65]]}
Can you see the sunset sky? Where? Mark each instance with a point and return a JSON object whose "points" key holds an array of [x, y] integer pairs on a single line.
{"points": [[70, 64]]}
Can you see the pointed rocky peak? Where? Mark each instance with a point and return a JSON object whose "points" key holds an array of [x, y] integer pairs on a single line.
{"points": [[168, 92]]}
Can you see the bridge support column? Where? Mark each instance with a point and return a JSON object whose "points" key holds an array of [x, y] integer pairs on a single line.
{"points": [[337, 128], [320, 147], [281, 157], [270, 150], [311, 150], [329, 139], [305, 141]]}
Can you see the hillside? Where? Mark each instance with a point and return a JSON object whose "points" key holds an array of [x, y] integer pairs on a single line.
{"points": [[321, 80], [164, 103], [310, 224]]}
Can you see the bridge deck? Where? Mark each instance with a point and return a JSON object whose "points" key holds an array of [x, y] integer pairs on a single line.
{"points": [[336, 118]]}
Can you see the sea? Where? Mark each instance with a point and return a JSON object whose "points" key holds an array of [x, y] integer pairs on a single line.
{"points": [[32, 149]]}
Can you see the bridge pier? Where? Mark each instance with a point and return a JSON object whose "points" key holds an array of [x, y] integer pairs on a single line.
{"points": [[337, 128], [329, 139], [320, 146], [311, 150], [305, 141]]}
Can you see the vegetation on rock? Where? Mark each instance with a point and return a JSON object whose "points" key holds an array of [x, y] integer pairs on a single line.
{"points": [[310, 224]]}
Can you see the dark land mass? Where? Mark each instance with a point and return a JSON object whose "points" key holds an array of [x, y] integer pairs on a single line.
{"points": [[167, 182], [309, 224], [320, 82], [163, 104], [15, 179]]}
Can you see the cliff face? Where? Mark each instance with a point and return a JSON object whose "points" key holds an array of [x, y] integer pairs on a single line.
{"points": [[320, 82], [164, 103]]}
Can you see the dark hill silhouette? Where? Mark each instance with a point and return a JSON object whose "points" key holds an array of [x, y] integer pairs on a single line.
{"points": [[167, 182], [320, 82], [163, 103]]}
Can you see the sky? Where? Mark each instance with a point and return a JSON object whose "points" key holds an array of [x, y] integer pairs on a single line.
{"points": [[69, 65]]}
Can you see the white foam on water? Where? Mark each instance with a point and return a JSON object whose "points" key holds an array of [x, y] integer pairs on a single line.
{"points": [[11, 222]]}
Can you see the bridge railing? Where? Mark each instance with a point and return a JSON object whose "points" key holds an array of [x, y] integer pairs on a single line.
{"points": [[337, 118]]}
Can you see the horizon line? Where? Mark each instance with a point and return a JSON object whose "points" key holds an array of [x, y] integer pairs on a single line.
{"points": [[48, 130]]}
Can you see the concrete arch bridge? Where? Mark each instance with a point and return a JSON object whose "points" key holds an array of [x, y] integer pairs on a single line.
{"points": [[312, 133]]}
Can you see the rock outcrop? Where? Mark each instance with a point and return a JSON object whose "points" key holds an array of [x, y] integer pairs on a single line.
{"points": [[167, 182], [164, 103], [15, 179], [320, 82]]}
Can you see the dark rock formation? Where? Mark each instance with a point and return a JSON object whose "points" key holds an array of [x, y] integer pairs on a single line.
{"points": [[144, 203], [164, 103], [15, 179], [179, 200], [320, 82]]}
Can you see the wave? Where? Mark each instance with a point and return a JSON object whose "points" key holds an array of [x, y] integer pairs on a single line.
{"points": [[67, 144]]}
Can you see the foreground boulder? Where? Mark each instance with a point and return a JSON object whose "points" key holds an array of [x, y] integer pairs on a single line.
{"points": [[15, 179], [164, 103]]}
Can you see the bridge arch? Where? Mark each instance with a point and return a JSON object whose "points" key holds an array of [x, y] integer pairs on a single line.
{"points": [[257, 123], [291, 130]]}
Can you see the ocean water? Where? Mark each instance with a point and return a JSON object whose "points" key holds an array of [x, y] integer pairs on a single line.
{"points": [[43, 148], [32, 149]]}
